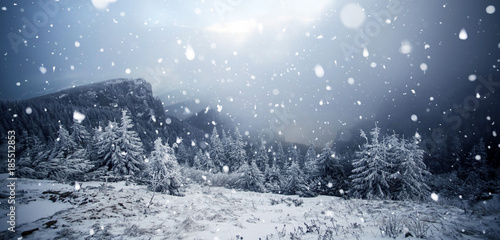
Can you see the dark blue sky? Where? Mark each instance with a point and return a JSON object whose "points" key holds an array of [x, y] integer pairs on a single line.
{"points": [[305, 69]]}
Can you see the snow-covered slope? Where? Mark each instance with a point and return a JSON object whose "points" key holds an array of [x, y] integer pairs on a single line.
{"points": [[120, 211]]}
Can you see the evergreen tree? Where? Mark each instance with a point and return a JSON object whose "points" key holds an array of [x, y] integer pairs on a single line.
{"points": [[197, 161], [412, 171], [261, 158], [105, 144], [293, 155], [295, 182], [217, 153], [127, 157], [329, 172], [250, 177], [227, 143], [371, 169], [182, 154], [273, 179], [80, 135], [476, 171], [64, 144], [310, 161], [164, 170], [237, 151], [281, 158]]}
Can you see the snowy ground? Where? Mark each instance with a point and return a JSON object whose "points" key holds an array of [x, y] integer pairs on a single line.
{"points": [[121, 212]]}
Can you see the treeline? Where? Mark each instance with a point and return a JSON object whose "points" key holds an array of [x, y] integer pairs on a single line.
{"points": [[384, 166]]}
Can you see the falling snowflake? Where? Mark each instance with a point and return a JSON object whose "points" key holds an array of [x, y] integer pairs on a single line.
{"points": [[190, 55], [405, 47], [319, 71], [28, 110], [414, 117], [350, 81], [43, 70], [463, 34], [490, 9], [434, 197], [352, 15], [366, 53], [78, 116], [423, 67]]}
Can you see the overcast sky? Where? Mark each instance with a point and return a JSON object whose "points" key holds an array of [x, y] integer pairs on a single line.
{"points": [[305, 68]]}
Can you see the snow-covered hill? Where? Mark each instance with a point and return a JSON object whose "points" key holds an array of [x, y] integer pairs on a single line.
{"points": [[51, 210]]}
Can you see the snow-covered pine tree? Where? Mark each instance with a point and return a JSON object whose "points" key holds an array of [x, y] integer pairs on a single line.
{"points": [[34, 152], [293, 155], [370, 173], [476, 170], [78, 164], [294, 181], [261, 158], [217, 153], [64, 144], [197, 160], [80, 135], [163, 169], [280, 158], [329, 172], [182, 154], [237, 151], [227, 142], [310, 161], [206, 162], [273, 178], [105, 144], [250, 177], [127, 157], [412, 171]]}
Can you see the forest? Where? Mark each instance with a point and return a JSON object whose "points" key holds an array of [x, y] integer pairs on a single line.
{"points": [[128, 135]]}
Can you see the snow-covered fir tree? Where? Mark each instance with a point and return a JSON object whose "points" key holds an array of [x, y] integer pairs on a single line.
{"points": [[237, 153], [250, 177], [163, 169], [227, 142], [105, 144], [328, 172], [63, 145], [182, 154], [293, 155], [217, 152], [411, 171], [273, 178], [261, 158], [475, 170], [371, 168], [280, 157], [80, 135], [294, 181], [310, 161], [126, 159]]}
